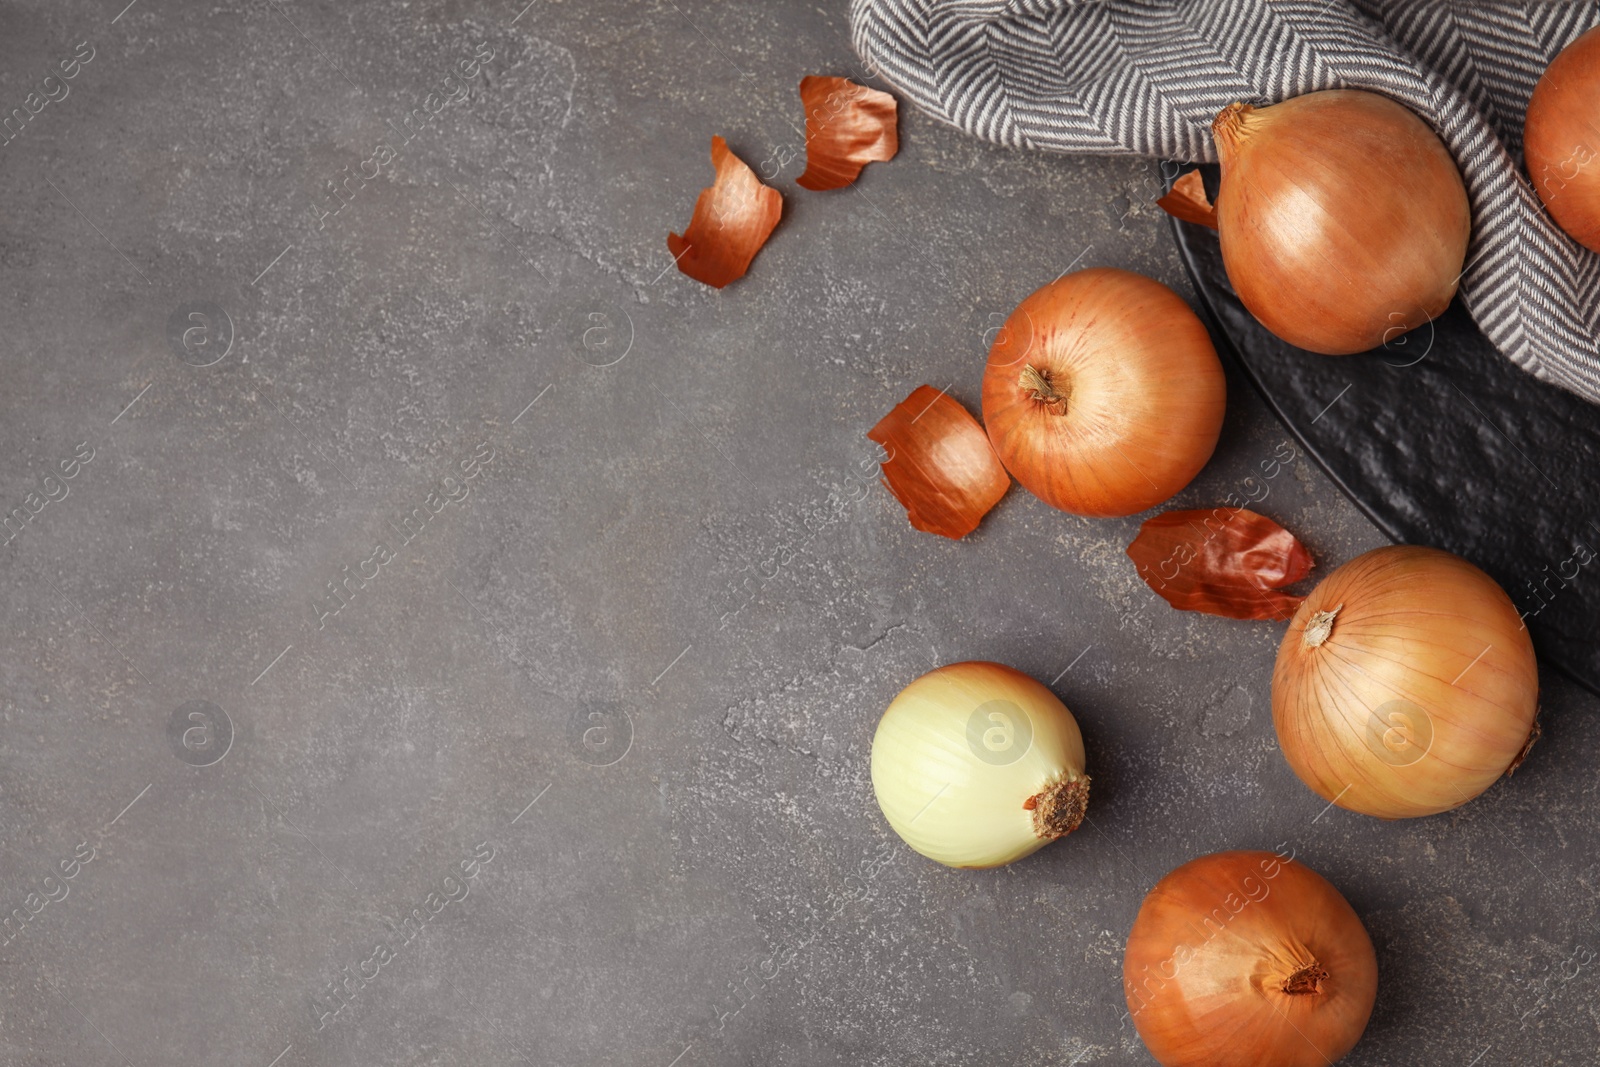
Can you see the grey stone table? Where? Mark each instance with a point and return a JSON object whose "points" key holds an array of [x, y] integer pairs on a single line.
{"points": [[287, 281]]}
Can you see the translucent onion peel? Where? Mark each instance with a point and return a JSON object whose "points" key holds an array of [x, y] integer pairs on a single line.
{"points": [[1223, 561], [1248, 959], [847, 127], [1188, 201], [940, 466], [733, 218], [976, 764], [1406, 684], [1342, 217], [1561, 142]]}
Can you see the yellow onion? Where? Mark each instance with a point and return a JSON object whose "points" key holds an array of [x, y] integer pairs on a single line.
{"points": [[975, 765], [1406, 684], [1561, 143], [1103, 394], [1343, 219], [1248, 959]]}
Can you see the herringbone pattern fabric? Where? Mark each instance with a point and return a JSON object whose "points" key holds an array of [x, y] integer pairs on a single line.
{"points": [[1146, 77]]}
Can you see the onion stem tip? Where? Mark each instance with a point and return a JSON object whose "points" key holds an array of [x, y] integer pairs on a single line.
{"points": [[1319, 626], [1042, 389], [1229, 120]]}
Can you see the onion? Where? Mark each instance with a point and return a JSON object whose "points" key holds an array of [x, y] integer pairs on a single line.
{"points": [[976, 765], [1103, 395], [1406, 684], [1248, 959], [1343, 219], [1560, 141]]}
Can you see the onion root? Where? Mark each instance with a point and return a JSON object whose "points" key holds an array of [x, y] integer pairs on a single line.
{"points": [[1059, 809], [1306, 980]]}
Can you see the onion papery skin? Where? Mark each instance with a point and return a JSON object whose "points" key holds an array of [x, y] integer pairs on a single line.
{"points": [[1343, 218], [1144, 393], [1217, 944], [958, 800], [1422, 693], [1561, 143]]}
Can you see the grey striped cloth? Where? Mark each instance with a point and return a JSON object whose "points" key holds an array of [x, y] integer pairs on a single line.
{"points": [[1146, 77]]}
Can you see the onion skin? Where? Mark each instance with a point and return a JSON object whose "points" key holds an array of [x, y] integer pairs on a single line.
{"points": [[963, 810], [939, 463], [1561, 144], [847, 126], [1343, 219], [1421, 694], [1224, 561], [1143, 393], [733, 217], [1247, 959]]}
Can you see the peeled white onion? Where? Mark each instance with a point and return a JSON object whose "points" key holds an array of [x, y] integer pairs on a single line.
{"points": [[976, 765]]}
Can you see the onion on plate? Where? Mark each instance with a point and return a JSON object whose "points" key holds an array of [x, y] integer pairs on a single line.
{"points": [[1342, 217]]}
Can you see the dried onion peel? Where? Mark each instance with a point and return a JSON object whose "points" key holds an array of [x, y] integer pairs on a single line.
{"points": [[1223, 561], [941, 466], [1188, 202], [733, 217], [847, 127]]}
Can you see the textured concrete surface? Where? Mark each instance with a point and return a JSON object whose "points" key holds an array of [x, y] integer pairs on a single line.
{"points": [[618, 686]]}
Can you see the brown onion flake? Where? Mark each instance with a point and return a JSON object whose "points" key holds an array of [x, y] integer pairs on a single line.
{"points": [[941, 466], [1225, 561], [733, 218], [847, 127], [1188, 202]]}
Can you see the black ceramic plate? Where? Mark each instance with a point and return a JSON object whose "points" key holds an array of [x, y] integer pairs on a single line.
{"points": [[1443, 442]]}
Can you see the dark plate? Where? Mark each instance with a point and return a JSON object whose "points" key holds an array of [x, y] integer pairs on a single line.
{"points": [[1442, 441]]}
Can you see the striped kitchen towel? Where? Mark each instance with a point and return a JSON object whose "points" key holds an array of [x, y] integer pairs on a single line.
{"points": [[1146, 77]]}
